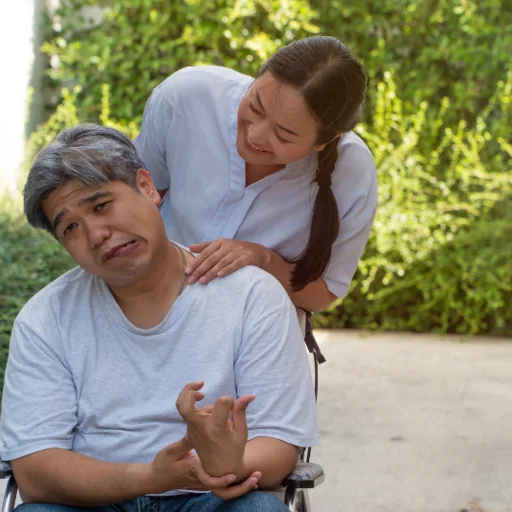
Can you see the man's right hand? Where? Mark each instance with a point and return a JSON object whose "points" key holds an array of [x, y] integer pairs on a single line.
{"points": [[175, 467]]}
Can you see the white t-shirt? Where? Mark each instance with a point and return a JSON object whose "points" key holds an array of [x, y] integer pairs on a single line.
{"points": [[81, 377], [188, 144]]}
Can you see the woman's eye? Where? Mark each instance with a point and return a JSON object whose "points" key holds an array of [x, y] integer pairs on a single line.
{"points": [[253, 109], [280, 139]]}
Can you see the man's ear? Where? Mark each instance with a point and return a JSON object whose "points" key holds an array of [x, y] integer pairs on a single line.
{"points": [[146, 186]]}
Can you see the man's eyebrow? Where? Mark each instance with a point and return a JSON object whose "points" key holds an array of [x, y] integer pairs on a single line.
{"points": [[57, 219], [93, 197], [89, 199], [291, 132]]}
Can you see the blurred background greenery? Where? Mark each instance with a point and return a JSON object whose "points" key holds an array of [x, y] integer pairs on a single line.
{"points": [[437, 120]]}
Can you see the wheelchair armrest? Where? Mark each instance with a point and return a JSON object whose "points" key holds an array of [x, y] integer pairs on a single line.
{"points": [[306, 475], [5, 469]]}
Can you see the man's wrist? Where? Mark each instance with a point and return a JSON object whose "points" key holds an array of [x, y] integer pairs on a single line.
{"points": [[242, 471], [142, 478]]}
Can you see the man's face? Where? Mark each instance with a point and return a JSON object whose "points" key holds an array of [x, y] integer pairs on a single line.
{"points": [[112, 231]]}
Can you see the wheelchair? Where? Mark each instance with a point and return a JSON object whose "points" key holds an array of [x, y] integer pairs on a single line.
{"points": [[294, 490]]}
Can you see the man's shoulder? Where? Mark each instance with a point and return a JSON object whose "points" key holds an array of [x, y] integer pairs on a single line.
{"points": [[253, 287], [59, 290]]}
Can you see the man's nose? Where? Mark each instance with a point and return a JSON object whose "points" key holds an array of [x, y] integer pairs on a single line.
{"points": [[97, 232]]}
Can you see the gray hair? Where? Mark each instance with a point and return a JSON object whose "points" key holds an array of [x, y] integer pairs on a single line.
{"points": [[87, 153]]}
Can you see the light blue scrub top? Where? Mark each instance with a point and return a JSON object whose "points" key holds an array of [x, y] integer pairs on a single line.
{"points": [[188, 144]]}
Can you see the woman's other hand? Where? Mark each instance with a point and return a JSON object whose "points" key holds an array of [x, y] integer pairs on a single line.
{"points": [[223, 257]]}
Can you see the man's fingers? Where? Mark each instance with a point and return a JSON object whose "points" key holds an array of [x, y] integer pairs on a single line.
{"points": [[189, 395], [239, 411], [206, 409], [221, 411], [213, 482], [179, 450], [240, 489]]}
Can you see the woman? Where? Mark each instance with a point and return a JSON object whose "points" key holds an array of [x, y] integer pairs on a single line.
{"points": [[267, 171]]}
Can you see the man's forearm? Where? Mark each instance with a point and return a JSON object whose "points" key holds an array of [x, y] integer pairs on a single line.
{"points": [[314, 297], [65, 477], [275, 460]]}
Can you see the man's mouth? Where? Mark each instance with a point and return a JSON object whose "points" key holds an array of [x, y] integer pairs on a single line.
{"points": [[120, 250]]}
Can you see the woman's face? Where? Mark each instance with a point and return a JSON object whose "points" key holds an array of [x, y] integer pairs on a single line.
{"points": [[275, 126]]}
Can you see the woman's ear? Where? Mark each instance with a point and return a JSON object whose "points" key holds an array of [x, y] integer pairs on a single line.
{"points": [[146, 186], [320, 147]]}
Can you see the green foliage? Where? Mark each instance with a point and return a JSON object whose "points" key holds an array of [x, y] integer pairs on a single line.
{"points": [[437, 122], [434, 48], [66, 115], [439, 256], [29, 260], [134, 44]]}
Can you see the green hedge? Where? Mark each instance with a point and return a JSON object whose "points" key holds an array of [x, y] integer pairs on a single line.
{"points": [[437, 122], [29, 260], [140, 42]]}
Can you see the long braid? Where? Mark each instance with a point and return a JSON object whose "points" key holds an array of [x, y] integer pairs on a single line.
{"points": [[333, 84], [325, 223]]}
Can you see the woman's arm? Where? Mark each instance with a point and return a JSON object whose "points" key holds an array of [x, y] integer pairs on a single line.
{"points": [[224, 256], [314, 297]]}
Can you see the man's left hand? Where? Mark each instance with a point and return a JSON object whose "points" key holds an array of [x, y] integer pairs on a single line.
{"points": [[223, 257], [219, 441]]}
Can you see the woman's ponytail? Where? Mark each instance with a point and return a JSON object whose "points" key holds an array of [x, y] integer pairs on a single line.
{"points": [[325, 223], [333, 84]]}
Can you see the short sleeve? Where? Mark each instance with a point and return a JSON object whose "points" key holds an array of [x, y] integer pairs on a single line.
{"points": [[152, 139], [355, 188], [272, 364], [39, 403]]}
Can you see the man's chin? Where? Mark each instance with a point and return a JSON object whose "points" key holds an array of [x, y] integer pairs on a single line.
{"points": [[120, 277]]}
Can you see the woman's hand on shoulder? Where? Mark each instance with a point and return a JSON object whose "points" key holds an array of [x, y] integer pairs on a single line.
{"points": [[223, 257]]}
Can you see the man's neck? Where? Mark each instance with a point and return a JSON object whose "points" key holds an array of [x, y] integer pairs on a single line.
{"points": [[147, 302]]}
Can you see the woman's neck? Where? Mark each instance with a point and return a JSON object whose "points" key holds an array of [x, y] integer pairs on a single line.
{"points": [[254, 173]]}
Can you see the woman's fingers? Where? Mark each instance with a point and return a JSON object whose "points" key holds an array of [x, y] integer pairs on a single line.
{"points": [[237, 264], [221, 258], [199, 247], [206, 260], [205, 250], [212, 273]]}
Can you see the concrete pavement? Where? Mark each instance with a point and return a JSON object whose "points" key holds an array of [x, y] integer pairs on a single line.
{"points": [[414, 423]]}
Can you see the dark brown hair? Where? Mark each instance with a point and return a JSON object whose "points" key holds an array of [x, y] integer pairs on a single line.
{"points": [[333, 84]]}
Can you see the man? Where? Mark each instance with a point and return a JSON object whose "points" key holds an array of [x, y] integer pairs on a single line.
{"points": [[107, 363]]}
